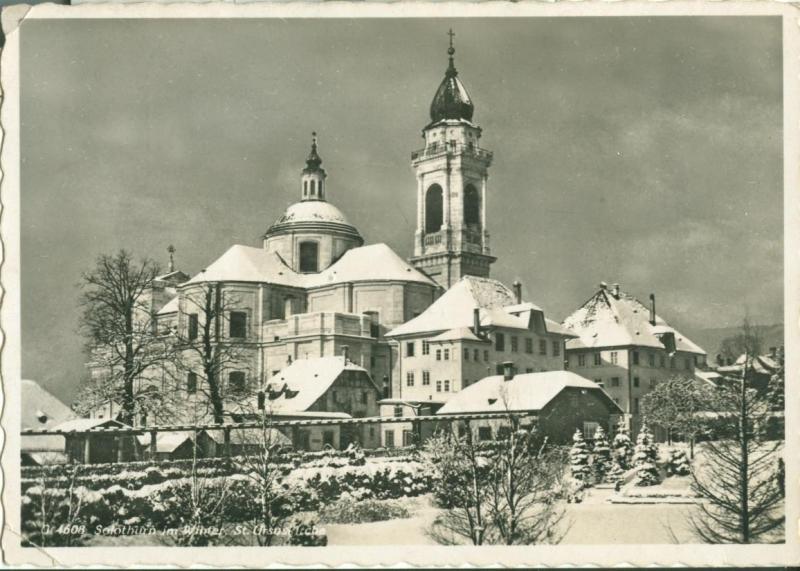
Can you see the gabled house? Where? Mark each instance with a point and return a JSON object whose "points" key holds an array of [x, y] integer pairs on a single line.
{"points": [[41, 410], [625, 347]]}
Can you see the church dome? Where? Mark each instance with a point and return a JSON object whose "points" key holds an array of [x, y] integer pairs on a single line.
{"points": [[451, 100], [314, 215]]}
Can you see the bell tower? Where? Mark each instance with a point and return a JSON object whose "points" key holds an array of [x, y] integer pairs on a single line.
{"points": [[451, 239]]}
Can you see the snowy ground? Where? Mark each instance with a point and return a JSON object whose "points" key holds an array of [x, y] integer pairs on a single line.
{"points": [[594, 521]]}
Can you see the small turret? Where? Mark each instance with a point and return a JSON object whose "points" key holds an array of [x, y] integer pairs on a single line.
{"points": [[313, 179]]}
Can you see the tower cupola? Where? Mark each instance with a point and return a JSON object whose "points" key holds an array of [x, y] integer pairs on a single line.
{"points": [[313, 179], [451, 100]]}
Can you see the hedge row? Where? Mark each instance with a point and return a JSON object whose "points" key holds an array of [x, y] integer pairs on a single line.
{"points": [[174, 503]]}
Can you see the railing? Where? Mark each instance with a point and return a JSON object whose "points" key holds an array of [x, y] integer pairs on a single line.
{"points": [[441, 149], [433, 239]]}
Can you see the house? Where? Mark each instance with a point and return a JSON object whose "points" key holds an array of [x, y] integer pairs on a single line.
{"points": [[398, 434], [467, 334], [41, 410], [759, 371], [555, 402], [323, 388], [626, 348]]}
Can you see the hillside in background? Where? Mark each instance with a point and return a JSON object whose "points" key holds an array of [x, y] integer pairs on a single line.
{"points": [[711, 339]]}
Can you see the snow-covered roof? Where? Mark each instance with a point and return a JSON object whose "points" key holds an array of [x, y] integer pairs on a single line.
{"points": [[762, 364], [41, 410], [524, 392], [167, 441], [80, 424], [312, 211], [455, 308], [457, 334], [608, 320], [376, 262], [707, 377], [303, 382], [170, 307]]}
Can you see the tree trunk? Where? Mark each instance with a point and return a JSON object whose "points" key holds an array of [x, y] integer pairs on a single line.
{"points": [[743, 442]]}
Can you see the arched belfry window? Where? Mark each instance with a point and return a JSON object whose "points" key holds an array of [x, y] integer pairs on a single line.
{"points": [[305, 188], [433, 209], [309, 256], [472, 206], [313, 187], [320, 189]]}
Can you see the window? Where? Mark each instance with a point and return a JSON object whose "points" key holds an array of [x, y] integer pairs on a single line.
{"points": [[262, 400], [374, 323], [636, 382], [426, 378], [614, 357], [447, 386], [398, 411], [636, 406], [446, 355], [687, 364], [327, 438], [364, 397], [410, 349], [236, 382], [309, 257], [542, 347], [499, 342], [651, 359], [514, 344], [388, 438], [438, 386], [589, 428], [466, 354], [486, 355], [193, 326], [528, 369], [372, 361], [614, 381], [636, 357], [484, 433], [598, 359], [410, 379], [557, 348], [191, 383], [472, 206], [238, 324], [581, 360], [433, 209], [476, 355], [599, 382], [662, 360], [426, 348], [529, 346], [438, 354], [408, 438]]}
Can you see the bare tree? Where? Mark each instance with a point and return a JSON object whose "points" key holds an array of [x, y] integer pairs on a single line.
{"points": [[259, 462], [503, 492], [207, 350], [737, 473], [119, 323], [675, 405]]}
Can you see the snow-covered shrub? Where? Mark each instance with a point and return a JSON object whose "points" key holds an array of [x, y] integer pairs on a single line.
{"points": [[579, 459], [678, 463], [601, 456], [622, 445], [348, 510], [644, 459]]}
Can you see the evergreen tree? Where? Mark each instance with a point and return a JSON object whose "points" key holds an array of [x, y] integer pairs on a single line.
{"points": [[622, 445], [644, 459], [678, 464], [601, 454], [579, 458]]}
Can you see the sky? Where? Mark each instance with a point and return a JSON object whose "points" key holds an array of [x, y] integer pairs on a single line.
{"points": [[640, 151]]}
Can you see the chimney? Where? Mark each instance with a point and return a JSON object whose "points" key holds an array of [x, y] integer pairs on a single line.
{"points": [[508, 370], [652, 309], [615, 290], [476, 321], [345, 353], [518, 291], [603, 286]]}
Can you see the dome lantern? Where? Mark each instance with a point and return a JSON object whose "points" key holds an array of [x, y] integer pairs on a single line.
{"points": [[313, 179]]}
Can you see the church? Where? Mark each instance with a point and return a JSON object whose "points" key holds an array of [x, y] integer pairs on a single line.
{"points": [[419, 330]]}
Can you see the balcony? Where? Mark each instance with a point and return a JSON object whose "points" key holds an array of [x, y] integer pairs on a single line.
{"points": [[320, 323], [440, 149]]}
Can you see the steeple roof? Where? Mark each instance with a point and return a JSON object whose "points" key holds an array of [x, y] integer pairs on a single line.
{"points": [[451, 100], [314, 161]]}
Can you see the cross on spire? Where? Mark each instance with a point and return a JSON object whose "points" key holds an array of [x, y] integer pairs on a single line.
{"points": [[451, 50]]}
